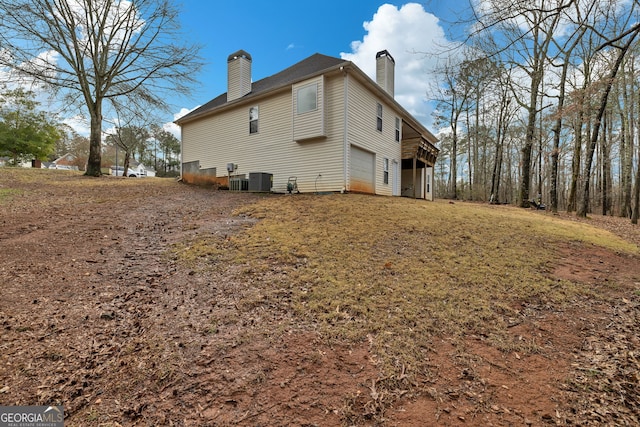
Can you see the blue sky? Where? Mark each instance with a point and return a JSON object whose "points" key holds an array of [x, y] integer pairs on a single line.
{"points": [[280, 33]]}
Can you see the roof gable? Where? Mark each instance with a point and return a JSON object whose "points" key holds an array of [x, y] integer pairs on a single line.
{"points": [[308, 67]]}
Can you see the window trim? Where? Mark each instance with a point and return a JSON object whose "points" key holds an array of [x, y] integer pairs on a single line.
{"points": [[398, 134], [385, 171], [254, 122], [379, 117], [300, 91]]}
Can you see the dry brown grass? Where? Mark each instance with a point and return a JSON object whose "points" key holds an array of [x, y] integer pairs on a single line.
{"points": [[396, 271]]}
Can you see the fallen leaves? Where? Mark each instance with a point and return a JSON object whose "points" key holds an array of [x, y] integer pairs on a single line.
{"points": [[606, 384]]}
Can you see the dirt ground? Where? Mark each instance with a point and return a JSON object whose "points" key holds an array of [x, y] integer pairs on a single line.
{"points": [[96, 315]]}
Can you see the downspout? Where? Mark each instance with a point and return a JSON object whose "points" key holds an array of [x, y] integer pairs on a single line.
{"points": [[345, 163], [181, 153]]}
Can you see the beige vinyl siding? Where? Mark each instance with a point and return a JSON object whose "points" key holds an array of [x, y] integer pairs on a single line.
{"points": [[310, 124], [362, 131], [224, 138], [238, 78]]}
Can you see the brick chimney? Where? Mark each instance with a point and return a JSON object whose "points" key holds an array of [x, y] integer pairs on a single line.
{"points": [[385, 71], [238, 75]]}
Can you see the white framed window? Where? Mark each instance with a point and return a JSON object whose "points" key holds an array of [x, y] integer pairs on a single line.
{"points": [[385, 169], [397, 129], [307, 98], [379, 119], [254, 114]]}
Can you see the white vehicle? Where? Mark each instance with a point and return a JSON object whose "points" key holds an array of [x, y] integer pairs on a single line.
{"points": [[118, 171]]}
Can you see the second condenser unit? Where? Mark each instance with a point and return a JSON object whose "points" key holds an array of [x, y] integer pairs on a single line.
{"points": [[260, 182]]}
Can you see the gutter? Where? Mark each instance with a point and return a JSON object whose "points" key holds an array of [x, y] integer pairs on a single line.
{"points": [[345, 163]]}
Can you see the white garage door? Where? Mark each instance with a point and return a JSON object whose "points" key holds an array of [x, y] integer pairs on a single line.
{"points": [[362, 171]]}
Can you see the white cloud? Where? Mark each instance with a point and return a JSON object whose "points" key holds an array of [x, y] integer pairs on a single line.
{"points": [[174, 128], [79, 124], [413, 37]]}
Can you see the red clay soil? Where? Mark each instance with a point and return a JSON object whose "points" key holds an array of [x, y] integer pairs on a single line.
{"points": [[96, 315]]}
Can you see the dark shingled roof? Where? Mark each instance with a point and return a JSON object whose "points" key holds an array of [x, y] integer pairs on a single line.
{"points": [[315, 64]]}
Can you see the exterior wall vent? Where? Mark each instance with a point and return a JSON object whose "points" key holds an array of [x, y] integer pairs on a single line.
{"points": [[238, 75], [385, 71]]}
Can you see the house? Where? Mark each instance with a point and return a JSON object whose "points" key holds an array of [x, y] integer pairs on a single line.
{"points": [[9, 161], [66, 162], [321, 123]]}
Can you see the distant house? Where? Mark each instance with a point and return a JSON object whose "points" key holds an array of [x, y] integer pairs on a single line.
{"points": [[8, 161], [322, 123], [66, 162]]}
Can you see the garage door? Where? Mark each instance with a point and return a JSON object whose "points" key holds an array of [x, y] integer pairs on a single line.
{"points": [[362, 171]]}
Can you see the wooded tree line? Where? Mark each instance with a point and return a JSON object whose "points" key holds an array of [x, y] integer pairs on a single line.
{"points": [[542, 102]]}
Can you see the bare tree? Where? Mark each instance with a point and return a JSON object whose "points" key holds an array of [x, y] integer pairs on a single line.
{"points": [[626, 108], [580, 108], [92, 51], [526, 33], [128, 138], [627, 37], [567, 50], [503, 121], [452, 101], [636, 191]]}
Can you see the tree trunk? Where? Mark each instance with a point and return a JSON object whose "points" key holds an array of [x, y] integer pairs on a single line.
{"points": [[636, 207], [511, 190], [539, 155], [553, 196], [474, 158], [606, 166], [525, 183], [497, 164], [470, 156], [125, 166], [454, 166], [576, 162], [626, 154], [583, 208], [94, 162], [495, 179]]}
